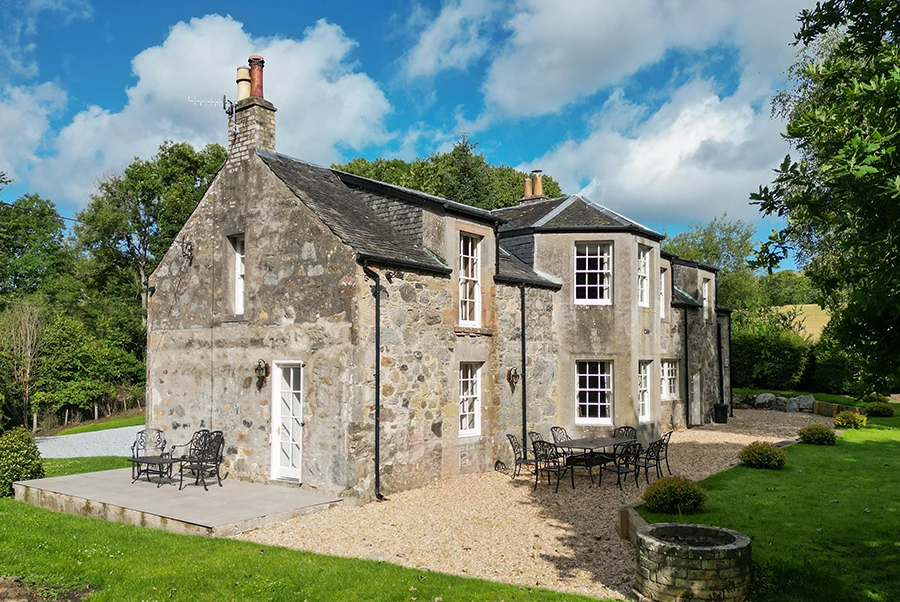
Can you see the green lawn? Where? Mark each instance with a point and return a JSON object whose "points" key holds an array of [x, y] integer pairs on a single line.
{"points": [[58, 552], [58, 467], [826, 397], [826, 527], [112, 423]]}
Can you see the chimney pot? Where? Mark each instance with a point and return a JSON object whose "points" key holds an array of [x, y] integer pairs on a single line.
{"points": [[243, 82], [538, 183], [528, 189], [256, 75]]}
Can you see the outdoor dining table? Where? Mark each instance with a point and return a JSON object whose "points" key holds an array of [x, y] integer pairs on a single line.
{"points": [[589, 444]]}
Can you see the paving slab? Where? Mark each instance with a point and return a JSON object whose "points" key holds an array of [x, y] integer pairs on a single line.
{"points": [[235, 507]]}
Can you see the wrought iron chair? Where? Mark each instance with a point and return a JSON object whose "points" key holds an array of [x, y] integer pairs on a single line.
{"points": [[149, 443], [519, 454], [650, 459], [664, 450], [559, 434], [204, 457], [547, 459], [625, 431], [535, 436], [624, 463]]}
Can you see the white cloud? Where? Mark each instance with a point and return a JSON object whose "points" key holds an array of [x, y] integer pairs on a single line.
{"points": [[25, 114], [561, 52], [20, 25], [323, 104], [697, 156], [452, 40]]}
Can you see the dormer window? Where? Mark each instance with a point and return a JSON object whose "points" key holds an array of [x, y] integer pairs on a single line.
{"points": [[469, 280], [643, 276], [237, 267], [593, 273]]}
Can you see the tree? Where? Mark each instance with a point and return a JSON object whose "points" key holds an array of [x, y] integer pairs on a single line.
{"points": [[21, 340], [31, 244], [786, 288], [840, 195], [724, 244], [459, 175], [133, 217]]}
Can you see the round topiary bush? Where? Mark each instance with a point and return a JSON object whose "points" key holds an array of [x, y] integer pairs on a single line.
{"points": [[20, 459], [849, 420], [879, 409], [675, 495], [760, 454], [817, 434]]}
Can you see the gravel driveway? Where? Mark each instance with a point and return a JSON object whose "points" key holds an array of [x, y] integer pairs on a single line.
{"points": [[492, 527], [111, 442]]}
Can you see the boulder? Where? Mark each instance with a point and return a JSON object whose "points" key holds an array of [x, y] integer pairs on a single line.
{"points": [[780, 404], [806, 402], [764, 401], [792, 405]]}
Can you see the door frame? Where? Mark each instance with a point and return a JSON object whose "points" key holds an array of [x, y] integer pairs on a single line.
{"points": [[276, 470]]}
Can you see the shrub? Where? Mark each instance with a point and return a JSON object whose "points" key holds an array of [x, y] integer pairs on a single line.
{"points": [[767, 350], [19, 459], [836, 369], [675, 495], [879, 409], [849, 420], [817, 434], [763, 455]]}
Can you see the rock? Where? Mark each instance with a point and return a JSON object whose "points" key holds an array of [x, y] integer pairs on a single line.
{"points": [[806, 403], [792, 405], [780, 404], [764, 401]]}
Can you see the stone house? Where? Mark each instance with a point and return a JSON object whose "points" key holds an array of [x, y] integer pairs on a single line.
{"points": [[359, 337]]}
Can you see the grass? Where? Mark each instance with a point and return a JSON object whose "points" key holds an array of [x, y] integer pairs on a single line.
{"points": [[826, 527], [59, 467], [112, 423], [814, 319], [826, 397], [59, 553]]}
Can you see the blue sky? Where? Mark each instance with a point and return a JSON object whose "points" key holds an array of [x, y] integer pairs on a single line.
{"points": [[658, 109]]}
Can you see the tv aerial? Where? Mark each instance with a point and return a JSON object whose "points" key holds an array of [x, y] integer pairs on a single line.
{"points": [[227, 106]]}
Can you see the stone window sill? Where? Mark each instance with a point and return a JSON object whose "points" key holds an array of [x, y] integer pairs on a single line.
{"points": [[473, 331]]}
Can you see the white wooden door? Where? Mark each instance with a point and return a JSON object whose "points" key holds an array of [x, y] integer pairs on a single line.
{"points": [[287, 422]]}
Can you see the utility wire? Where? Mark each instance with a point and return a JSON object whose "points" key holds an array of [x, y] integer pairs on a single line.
{"points": [[58, 214]]}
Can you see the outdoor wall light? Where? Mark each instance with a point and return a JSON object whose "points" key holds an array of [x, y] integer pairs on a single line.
{"points": [[512, 377], [262, 372]]}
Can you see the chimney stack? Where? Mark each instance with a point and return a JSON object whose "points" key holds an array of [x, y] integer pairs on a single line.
{"points": [[538, 184], [251, 125], [528, 190]]}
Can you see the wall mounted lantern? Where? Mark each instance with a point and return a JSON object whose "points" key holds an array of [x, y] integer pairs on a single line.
{"points": [[512, 377], [262, 372]]}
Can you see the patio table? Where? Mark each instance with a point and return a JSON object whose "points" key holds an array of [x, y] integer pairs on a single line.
{"points": [[157, 465], [589, 444]]}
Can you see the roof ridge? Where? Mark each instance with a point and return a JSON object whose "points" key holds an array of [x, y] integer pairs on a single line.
{"points": [[530, 203], [555, 211], [628, 220]]}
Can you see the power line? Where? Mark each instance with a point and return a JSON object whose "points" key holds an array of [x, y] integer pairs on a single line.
{"points": [[58, 214]]}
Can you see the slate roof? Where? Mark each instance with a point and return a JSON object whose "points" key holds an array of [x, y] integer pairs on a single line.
{"points": [[348, 215], [512, 270], [573, 213]]}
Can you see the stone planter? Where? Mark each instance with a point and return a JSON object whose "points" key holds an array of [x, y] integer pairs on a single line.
{"points": [[678, 562]]}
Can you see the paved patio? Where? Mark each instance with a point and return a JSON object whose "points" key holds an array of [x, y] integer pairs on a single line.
{"points": [[235, 507]]}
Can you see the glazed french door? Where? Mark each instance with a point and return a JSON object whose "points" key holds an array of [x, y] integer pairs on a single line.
{"points": [[287, 422]]}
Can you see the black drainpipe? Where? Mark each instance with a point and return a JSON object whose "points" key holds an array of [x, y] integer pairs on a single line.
{"points": [[524, 376], [376, 290], [721, 366], [687, 383], [730, 393]]}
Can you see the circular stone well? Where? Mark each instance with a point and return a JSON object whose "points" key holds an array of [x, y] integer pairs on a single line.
{"points": [[678, 561]]}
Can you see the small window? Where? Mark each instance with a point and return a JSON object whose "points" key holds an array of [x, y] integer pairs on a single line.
{"points": [[668, 385], [644, 390], [593, 273], [662, 294], [469, 399], [469, 280], [594, 393], [643, 276], [707, 301], [237, 248]]}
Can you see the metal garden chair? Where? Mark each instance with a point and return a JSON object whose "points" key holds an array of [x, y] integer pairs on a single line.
{"points": [[548, 460], [624, 463], [519, 454]]}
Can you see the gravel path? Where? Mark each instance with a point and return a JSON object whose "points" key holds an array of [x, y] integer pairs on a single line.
{"points": [[492, 527], [111, 442]]}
